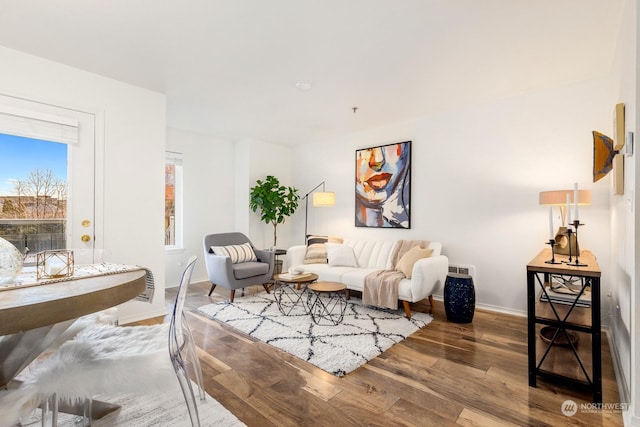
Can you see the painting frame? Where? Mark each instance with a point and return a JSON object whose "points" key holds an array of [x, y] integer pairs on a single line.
{"points": [[383, 186]]}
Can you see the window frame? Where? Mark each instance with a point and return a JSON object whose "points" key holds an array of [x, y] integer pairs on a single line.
{"points": [[175, 159]]}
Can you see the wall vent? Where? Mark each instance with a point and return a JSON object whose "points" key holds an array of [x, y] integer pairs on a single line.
{"points": [[463, 269]]}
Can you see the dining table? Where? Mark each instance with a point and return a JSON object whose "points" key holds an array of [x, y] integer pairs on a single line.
{"points": [[35, 315]]}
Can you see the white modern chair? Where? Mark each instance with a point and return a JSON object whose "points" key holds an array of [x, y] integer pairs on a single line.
{"points": [[181, 342], [108, 359]]}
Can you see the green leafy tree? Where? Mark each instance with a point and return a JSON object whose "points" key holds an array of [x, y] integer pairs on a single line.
{"points": [[276, 202]]}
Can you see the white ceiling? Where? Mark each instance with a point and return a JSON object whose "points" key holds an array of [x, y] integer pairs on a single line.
{"points": [[229, 67]]}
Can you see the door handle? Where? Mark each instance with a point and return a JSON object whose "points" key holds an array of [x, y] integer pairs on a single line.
{"points": [[85, 238]]}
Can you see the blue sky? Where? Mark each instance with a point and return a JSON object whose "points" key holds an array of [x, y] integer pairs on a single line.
{"points": [[19, 156]]}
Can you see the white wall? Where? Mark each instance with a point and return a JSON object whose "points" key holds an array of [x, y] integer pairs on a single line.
{"points": [[476, 175], [217, 177], [259, 159], [207, 199], [134, 138], [623, 219]]}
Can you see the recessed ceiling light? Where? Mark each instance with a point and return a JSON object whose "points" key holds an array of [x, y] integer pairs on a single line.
{"points": [[303, 85]]}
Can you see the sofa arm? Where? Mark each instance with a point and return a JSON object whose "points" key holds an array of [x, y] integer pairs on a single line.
{"points": [[295, 255], [428, 275]]}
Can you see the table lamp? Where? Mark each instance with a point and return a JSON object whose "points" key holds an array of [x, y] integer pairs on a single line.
{"points": [[564, 199]]}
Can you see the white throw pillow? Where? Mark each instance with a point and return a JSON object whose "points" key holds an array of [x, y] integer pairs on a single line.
{"points": [[237, 253], [339, 254]]}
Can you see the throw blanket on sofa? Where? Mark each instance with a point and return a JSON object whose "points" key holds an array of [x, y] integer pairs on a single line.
{"points": [[381, 287]]}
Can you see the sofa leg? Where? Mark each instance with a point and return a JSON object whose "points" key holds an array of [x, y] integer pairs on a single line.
{"points": [[213, 286], [431, 304], [407, 309], [266, 287], [232, 293]]}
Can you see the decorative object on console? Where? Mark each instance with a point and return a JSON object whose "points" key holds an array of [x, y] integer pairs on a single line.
{"points": [[563, 199], [276, 202], [383, 186], [556, 336], [320, 199], [55, 263], [11, 262]]}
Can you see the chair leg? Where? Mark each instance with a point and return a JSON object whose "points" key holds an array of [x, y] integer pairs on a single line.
{"points": [[213, 286], [232, 294], [431, 303], [50, 411], [193, 356], [187, 390], [266, 287]]}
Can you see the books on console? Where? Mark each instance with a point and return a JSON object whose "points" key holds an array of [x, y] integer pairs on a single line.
{"points": [[556, 296]]}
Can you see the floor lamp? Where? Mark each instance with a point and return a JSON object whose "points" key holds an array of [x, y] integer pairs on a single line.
{"points": [[321, 198]]}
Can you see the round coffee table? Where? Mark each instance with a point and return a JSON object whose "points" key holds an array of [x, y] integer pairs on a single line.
{"points": [[327, 302], [290, 291]]}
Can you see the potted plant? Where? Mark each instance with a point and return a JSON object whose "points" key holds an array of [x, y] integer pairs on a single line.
{"points": [[276, 202]]}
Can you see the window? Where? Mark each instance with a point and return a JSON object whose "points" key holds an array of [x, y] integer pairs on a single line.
{"points": [[173, 201]]}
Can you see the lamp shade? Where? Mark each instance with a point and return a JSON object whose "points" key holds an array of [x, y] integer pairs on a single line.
{"points": [[559, 197], [324, 198]]}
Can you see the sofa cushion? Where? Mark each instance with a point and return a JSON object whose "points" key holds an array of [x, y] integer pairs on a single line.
{"points": [[237, 253], [372, 253], [339, 254], [329, 273], [406, 262]]}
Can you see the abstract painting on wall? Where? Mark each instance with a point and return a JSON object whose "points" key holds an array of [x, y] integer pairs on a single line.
{"points": [[383, 186]]}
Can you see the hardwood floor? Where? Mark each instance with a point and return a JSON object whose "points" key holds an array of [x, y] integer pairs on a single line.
{"points": [[446, 374]]}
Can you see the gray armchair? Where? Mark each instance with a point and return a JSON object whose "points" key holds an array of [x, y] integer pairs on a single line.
{"points": [[236, 276]]}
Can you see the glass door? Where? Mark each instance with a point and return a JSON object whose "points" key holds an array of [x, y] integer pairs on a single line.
{"points": [[47, 169]]}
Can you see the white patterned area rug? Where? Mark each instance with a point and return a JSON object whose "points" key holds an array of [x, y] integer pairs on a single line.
{"points": [[167, 409], [364, 333]]}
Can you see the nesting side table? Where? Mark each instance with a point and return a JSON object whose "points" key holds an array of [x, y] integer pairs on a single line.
{"points": [[327, 302], [291, 290]]}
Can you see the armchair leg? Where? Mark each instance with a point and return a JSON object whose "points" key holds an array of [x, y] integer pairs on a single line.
{"points": [[431, 303], [213, 286], [266, 287], [232, 294]]}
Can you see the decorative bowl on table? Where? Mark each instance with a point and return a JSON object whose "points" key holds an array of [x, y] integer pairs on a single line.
{"points": [[11, 262]]}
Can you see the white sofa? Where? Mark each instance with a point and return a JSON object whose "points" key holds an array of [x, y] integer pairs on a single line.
{"points": [[371, 255]]}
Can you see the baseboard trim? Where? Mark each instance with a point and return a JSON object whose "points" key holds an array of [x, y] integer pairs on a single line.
{"points": [[623, 390], [490, 307]]}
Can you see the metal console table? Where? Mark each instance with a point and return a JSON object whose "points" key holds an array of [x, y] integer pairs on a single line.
{"points": [[563, 302]]}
